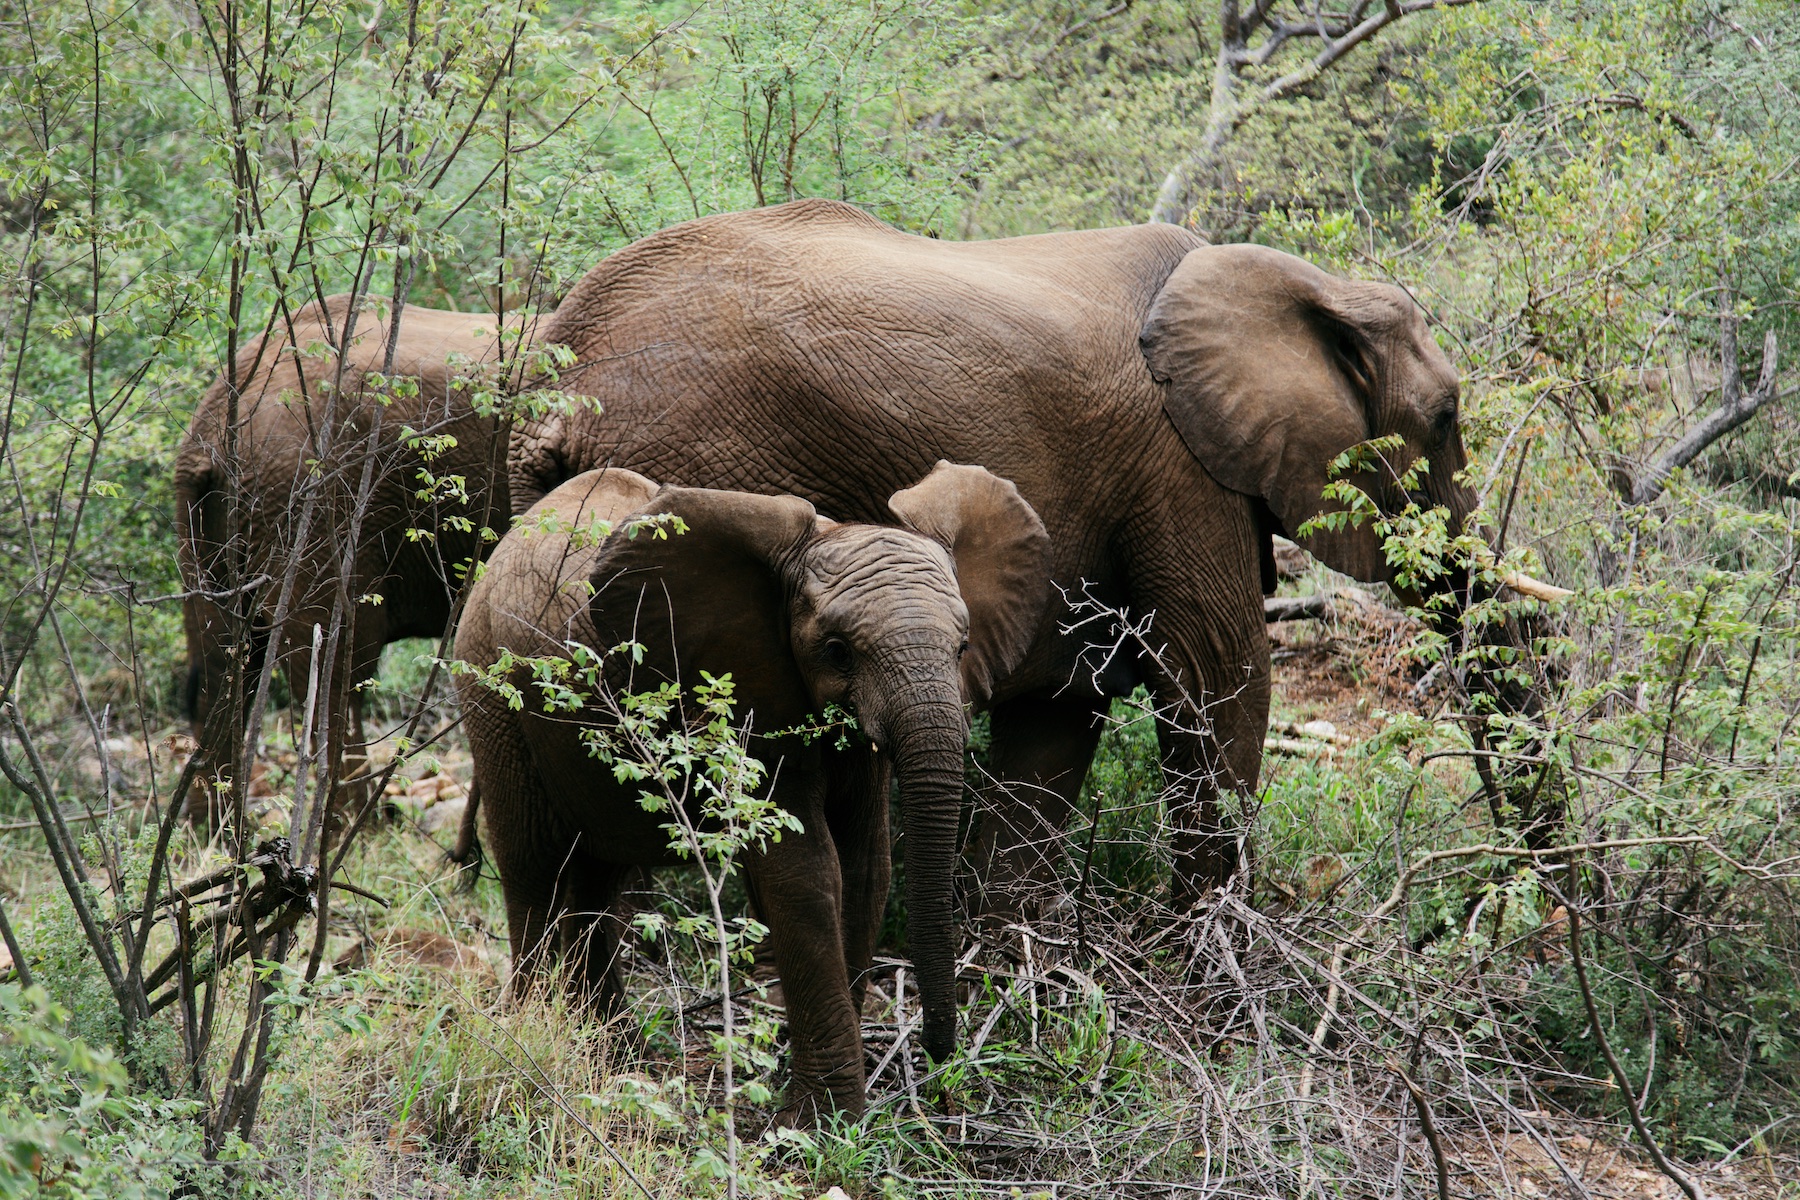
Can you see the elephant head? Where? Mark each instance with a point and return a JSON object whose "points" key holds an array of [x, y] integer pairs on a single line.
{"points": [[1273, 368], [903, 627]]}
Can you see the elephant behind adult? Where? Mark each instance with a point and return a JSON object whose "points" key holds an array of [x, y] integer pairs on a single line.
{"points": [[307, 478], [1165, 405]]}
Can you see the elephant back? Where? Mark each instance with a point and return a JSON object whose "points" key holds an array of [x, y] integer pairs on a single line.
{"points": [[532, 598], [810, 349]]}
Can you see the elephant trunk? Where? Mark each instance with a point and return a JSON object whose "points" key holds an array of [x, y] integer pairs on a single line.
{"points": [[928, 741]]}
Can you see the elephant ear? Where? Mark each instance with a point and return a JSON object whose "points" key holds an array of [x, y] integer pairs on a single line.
{"points": [[1002, 556], [713, 598], [1272, 370]]}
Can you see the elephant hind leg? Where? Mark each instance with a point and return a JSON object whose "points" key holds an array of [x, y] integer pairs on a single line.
{"points": [[590, 930], [530, 895], [527, 846]]}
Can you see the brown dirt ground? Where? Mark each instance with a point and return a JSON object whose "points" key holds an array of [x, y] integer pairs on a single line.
{"points": [[1348, 668]]}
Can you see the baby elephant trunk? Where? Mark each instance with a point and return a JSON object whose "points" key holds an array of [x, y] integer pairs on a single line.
{"points": [[928, 742]]}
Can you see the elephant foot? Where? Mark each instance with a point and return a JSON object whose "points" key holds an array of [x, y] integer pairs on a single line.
{"points": [[996, 923], [1207, 865], [1031, 935], [809, 1109], [1207, 942]]}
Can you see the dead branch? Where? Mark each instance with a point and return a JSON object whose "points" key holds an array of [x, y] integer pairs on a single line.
{"points": [[1229, 109], [1734, 409], [1316, 607], [1428, 1123], [276, 903], [1663, 1164]]}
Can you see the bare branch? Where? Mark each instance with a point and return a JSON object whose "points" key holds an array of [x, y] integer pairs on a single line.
{"points": [[1353, 38], [1228, 109], [1734, 409], [1682, 1181], [1427, 1122]]}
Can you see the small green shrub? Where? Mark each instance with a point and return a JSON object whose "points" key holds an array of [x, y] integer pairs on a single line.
{"points": [[71, 1127]]}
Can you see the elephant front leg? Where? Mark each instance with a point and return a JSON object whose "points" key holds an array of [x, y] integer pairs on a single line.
{"points": [[858, 819], [1209, 771], [1212, 700], [1196, 568], [799, 890]]}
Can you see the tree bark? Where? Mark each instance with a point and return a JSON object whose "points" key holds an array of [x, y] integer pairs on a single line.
{"points": [[1230, 104], [1734, 409]]}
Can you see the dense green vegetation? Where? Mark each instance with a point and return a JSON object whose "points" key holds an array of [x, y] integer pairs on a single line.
{"points": [[1596, 202]]}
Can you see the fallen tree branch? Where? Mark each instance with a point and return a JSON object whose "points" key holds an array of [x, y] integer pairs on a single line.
{"points": [[1428, 1123], [1316, 607]]}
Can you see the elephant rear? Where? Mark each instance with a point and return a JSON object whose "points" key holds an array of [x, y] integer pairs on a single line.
{"points": [[526, 604], [294, 451]]}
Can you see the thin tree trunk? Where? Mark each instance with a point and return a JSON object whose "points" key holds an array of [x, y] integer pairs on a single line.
{"points": [[1230, 104]]}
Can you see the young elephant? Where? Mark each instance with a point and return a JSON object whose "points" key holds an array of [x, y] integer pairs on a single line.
{"points": [[899, 626]]}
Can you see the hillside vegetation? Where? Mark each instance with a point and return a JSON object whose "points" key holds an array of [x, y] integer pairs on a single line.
{"points": [[1596, 202]]}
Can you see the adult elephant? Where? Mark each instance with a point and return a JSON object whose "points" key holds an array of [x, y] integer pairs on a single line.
{"points": [[1165, 405], [303, 507]]}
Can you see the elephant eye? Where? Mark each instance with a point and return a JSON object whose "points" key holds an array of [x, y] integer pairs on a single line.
{"points": [[962, 650], [837, 654], [1443, 425]]}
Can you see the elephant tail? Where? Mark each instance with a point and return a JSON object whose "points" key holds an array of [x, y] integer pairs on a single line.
{"points": [[467, 851], [190, 494]]}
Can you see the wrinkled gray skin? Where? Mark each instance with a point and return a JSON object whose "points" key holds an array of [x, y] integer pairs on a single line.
{"points": [[289, 440], [1166, 406], [893, 624]]}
